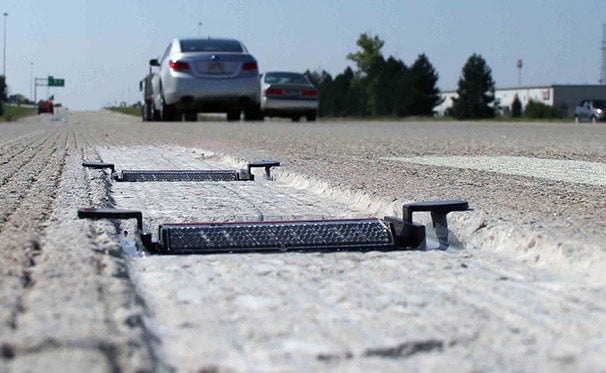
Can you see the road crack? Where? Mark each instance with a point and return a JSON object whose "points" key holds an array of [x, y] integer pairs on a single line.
{"points": [[406, 349]]}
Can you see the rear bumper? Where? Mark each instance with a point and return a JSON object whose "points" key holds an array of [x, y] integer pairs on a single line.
{"points": [[215, 104], [277, 107], [600, 117], [212, 95]]}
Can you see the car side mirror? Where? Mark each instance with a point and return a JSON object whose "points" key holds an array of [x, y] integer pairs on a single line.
{"points": [[154, 62]]}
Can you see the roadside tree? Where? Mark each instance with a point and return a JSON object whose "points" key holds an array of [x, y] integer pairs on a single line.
{"points": [[425, 94], [370, 63], [392, 92], [324, 83], [377, 86], [369, 56], [475, 92], [3, 89], [340, 92]]}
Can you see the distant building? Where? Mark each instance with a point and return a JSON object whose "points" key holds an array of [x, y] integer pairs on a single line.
{"points": [[563, 97]]}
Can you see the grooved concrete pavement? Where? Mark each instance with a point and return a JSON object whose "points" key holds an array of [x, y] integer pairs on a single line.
{"points": [[528, 278]]}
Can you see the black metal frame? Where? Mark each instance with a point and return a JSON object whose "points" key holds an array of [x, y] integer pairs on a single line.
{"points": [[184, 175], [399, 234]]}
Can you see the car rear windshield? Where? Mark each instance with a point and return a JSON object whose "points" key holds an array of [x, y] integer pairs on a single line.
{"points": [[210, 45], [286, 78]]}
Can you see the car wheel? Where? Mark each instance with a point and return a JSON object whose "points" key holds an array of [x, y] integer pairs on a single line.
{"points": [[169, 112], [311, 117], [594, 120], [145, 113], [191, 116], [576, 119], [155, 114], [252, 114], [148, 112], [233, 115], [296, 119]]}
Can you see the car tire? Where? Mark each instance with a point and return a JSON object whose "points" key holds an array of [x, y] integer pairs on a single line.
{"points": [[253, 114], [296, 119], [155, 114], [594, 120], [148, 112], [168, 113], [311, 117], [576, 119], [144, 113], [233, 115]]}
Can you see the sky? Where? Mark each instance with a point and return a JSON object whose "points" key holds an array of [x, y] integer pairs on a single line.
{"points": [[102, 48]]}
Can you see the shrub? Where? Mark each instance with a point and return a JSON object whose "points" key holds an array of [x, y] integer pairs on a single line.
{"points": [[538, 110], [516, 107]]}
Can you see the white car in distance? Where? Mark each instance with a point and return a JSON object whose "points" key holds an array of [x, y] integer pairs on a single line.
{"points": [[288, 95]]}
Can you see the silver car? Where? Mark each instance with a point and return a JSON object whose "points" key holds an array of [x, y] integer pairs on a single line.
{"points": [[590, 110], [288, 95], [205, 75]]}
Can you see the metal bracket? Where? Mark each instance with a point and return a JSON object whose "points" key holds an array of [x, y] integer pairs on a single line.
{"points": [[407, 234], [438, 210], [110, 213], [99, 165], [267, 164]]}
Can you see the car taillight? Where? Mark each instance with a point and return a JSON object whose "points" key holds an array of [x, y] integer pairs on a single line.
{"points": [[274, 91], [178, 65], [249, 66], [309, 93]]}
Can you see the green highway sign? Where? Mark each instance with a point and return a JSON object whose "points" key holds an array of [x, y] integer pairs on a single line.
{"points": [[52, 82]]}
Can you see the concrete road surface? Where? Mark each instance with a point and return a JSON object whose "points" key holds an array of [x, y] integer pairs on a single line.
{"points": [[522, 289]]}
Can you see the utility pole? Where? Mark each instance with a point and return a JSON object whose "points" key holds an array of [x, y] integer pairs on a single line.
{"points": [[603, 69], [199, 28], [31, 81], [4, 59]]}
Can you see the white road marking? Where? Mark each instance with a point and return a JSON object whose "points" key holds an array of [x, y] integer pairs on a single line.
{"points": [[592, 173]]}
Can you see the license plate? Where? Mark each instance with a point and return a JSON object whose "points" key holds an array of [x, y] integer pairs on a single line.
{"points": [[215, 67], [291, 93]]}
